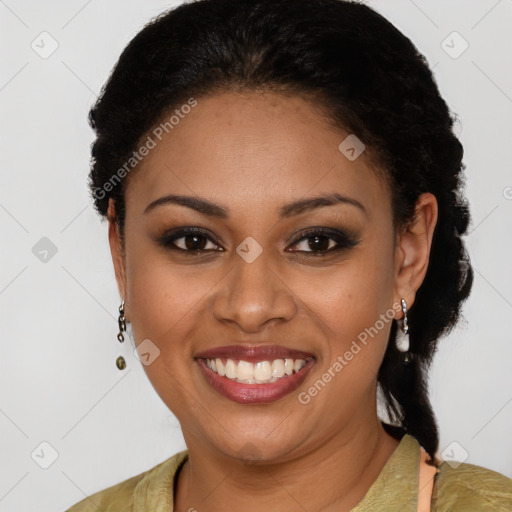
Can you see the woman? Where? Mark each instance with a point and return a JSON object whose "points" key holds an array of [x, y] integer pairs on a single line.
{"points": [[284, 196]]}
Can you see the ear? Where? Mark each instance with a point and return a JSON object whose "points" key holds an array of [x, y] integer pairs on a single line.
{"points": [[412, 252], [116, 250]]}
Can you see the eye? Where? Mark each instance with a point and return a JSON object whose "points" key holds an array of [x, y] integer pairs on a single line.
{"points": [[320, 241], [189, 240], [315, 241]]}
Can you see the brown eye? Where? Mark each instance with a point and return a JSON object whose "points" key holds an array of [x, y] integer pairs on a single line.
{"points": [[319, 241], [189, 240]]}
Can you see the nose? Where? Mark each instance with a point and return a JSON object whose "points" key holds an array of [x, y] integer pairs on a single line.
{"points": [[254, 296]]}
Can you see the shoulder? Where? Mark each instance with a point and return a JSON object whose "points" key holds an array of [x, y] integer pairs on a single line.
{"points": [[469, 487], [121, 496]]}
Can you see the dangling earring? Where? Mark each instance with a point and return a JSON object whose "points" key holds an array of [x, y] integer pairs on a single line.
{"points": [[402, 341], [120, 362]]}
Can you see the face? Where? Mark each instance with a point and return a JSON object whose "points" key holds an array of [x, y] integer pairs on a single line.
{"points": [[249, 260]]}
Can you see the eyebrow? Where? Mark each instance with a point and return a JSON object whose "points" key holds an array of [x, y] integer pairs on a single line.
{"points": [[288, 210]]}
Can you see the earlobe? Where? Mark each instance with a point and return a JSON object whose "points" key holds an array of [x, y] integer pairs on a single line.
{"points": [[413, 249], [116, 249]]}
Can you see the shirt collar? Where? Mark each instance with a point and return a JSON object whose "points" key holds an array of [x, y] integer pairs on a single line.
{"points": [[396, 487]]}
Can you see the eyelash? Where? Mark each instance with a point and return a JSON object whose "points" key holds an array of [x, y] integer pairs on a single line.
{"points": [[344, 240]]}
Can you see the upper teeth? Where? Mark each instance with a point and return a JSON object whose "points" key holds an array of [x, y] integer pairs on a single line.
{"points": [[255, 373]]}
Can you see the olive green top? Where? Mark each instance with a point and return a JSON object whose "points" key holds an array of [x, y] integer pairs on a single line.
{"points": [[462, 488]]}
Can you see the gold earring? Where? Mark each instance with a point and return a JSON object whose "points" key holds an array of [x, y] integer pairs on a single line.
{"points": [[120, 362]]}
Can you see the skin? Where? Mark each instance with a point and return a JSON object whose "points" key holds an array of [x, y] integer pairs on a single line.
{"points": [[254, 152]]}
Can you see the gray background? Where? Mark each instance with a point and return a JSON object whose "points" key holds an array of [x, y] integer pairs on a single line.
{"points": [[58, 381]]}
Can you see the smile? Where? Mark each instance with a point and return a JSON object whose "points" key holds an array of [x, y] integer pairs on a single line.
{"points": [[254, 374], [262, 372]]}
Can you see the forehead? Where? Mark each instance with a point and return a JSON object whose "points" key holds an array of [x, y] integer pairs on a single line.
{"points": [[251, 150]]}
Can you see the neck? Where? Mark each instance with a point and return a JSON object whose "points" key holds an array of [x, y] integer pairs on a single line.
{"points": [[334, 476]]}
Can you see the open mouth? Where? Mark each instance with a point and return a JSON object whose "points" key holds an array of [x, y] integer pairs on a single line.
{"points": [[259, 382], [261, 372]]}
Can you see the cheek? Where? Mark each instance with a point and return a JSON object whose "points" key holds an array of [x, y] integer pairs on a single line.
{"points": [[350, 297], [353, 303], [167, 299], [169, 306], [162, 302]]}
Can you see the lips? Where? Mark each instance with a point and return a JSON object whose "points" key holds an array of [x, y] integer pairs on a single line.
{"points": [[252, 353], [254, 393]]}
